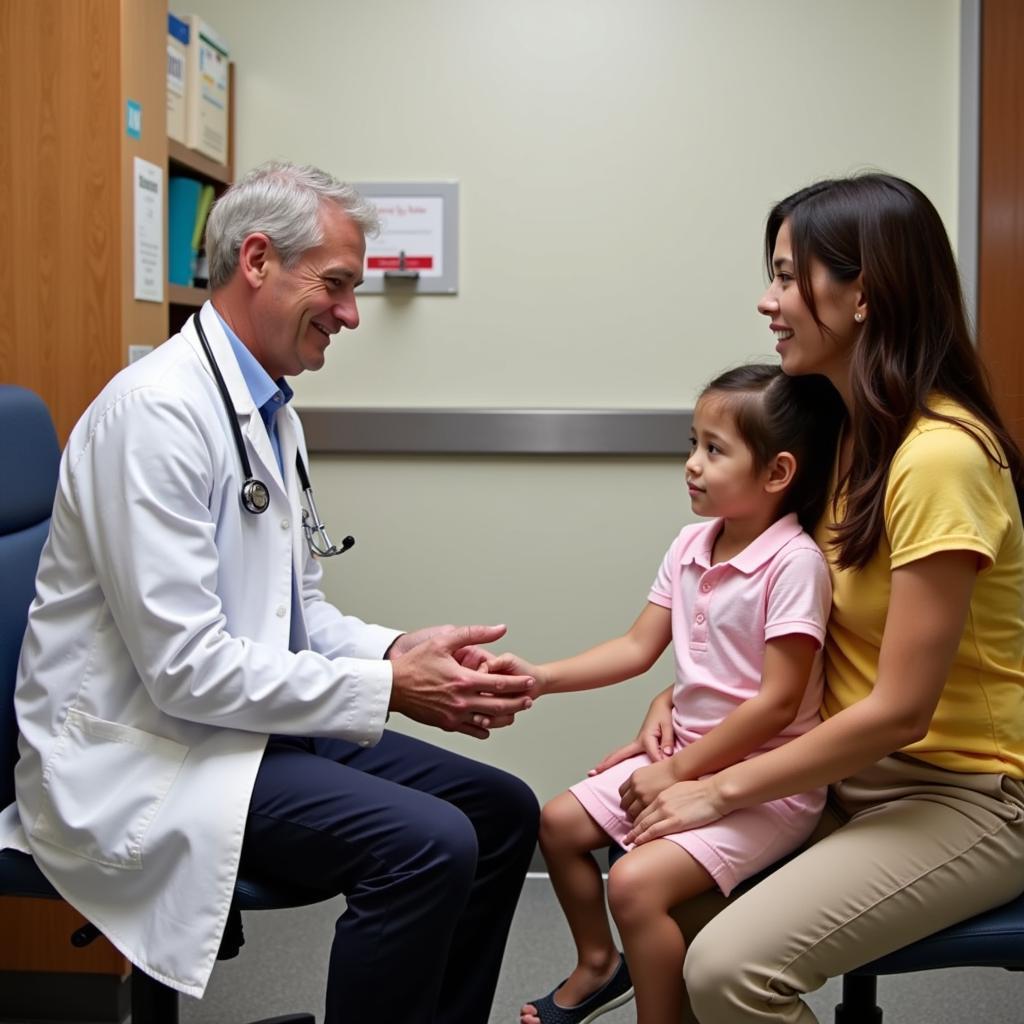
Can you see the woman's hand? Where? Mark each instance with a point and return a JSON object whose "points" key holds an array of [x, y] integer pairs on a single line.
{"points": [[644, 785], [682, 806], [656, 737]]}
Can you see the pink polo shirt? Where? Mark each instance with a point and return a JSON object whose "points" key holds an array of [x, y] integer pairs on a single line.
{"points": [[723, 614]]}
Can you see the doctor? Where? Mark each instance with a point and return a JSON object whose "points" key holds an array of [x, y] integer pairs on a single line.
{"points": [[189, 701]]}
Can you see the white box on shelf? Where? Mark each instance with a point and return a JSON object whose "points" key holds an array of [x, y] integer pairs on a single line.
{"points": [[177, 56], [206, 91]]}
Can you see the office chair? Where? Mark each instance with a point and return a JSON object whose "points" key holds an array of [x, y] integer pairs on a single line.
{"points": [[992, 939], [29, 458]]}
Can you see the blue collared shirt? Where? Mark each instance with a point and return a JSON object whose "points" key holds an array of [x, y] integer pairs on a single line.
{"points": [[268, 395]]}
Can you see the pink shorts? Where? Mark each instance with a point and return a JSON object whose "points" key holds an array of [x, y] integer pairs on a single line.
{"points": [[731, 849]]}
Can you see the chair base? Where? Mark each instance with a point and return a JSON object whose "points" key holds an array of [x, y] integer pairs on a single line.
{"points": [[289, 1018], [860, 1002], [155, 1003]]}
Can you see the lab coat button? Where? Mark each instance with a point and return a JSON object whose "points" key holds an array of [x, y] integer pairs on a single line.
{"points": [[281, 611], [285, 524], [364, 743]]}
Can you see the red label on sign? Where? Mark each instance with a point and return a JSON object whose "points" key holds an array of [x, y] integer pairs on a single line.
{"points": [[392, 263]]}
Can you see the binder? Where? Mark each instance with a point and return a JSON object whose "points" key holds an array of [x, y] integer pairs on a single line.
{"points": [[183, 196], [177, 58], [202, 212], [200, 267], [206, 124]]}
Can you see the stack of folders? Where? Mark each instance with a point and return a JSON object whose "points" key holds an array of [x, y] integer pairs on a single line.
{"points": [[188, 203], [198, 86]]}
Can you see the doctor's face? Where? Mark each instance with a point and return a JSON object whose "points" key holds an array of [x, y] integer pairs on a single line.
{"points": [[305, 304]]}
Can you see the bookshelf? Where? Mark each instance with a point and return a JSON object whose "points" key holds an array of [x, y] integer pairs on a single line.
{"points": [[183, 301]]}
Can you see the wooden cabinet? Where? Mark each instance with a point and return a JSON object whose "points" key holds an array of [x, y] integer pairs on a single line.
{"points": [[69, 69], [1001, 211]]}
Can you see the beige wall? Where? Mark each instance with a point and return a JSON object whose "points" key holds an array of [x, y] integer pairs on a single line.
{"points": [[616, 163]]}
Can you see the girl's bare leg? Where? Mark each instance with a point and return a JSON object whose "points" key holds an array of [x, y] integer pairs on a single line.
{"points": [[643, 887], [567, 836]]}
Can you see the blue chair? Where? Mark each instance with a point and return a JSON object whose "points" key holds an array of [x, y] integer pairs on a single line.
{"points": [[29, 459], [992, 939]]}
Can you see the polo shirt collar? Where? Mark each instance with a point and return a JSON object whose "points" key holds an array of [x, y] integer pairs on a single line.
{"points": [[755, 554]]}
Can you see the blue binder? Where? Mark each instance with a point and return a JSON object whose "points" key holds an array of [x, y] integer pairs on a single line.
{"points": [[182, 203]]}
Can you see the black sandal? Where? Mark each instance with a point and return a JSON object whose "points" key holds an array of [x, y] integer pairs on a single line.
{"points": [[618, 989]]}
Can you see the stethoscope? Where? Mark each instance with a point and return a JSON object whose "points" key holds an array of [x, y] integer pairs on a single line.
{"points": [[255, 497]]}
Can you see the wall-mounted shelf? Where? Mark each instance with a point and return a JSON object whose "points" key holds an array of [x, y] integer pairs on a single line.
{"points": [[181, 158], [180, 295]]}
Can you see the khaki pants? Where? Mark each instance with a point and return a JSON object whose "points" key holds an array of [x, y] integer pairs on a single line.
{"points": [[903, 850]]}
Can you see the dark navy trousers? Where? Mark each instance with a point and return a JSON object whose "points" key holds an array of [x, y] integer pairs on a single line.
{"points": [[430, 850]]}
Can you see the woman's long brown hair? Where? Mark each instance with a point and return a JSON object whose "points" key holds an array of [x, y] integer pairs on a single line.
{"points": [[915, 342]]}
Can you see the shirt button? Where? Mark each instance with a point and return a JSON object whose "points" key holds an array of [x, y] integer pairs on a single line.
{"points": [[700, 619], [364, 743], [705, 587], [281, 611], [285, 524]]}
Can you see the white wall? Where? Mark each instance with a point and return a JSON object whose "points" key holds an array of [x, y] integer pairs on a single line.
{"points": [[616, 163]]}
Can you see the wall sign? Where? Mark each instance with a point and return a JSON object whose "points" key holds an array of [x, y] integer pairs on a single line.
{"points": [[417, 248]]}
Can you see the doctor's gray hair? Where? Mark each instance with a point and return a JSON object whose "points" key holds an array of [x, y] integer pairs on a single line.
{"points": [[282, 201]]}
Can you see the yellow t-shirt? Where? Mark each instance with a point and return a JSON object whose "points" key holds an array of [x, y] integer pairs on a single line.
{"points": [[943, 494]]}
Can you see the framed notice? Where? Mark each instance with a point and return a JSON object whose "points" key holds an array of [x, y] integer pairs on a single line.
{"points": [[148, 248], [418, 245]]}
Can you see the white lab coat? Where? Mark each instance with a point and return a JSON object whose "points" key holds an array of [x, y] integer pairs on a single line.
{"points": [[156, 658]]}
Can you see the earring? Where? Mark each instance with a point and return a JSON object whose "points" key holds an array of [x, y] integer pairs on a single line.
{"points": [[859, 317]]}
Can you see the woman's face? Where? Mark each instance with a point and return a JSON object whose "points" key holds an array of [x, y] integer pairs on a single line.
{"points": [[802, 343]]}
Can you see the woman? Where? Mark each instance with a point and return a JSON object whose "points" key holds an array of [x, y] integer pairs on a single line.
{"points": [[922, 738]]}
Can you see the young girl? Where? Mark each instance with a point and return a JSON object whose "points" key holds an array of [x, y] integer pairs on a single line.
{"points": [[922, 738], [744, 599]]}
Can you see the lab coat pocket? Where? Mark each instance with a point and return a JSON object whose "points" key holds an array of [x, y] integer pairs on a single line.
{"points": [[103, 786]]}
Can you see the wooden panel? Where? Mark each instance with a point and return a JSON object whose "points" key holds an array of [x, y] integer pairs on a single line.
{"points": [[61, 120], [1001, 220], [37, 937], [143, 79], [60, 198]]}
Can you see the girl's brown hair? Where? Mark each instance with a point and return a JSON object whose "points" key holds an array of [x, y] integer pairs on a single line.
{"points": [[775, 413]]}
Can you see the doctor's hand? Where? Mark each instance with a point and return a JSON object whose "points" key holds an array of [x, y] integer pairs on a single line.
{"points": [[430, 685], [407, 641]]}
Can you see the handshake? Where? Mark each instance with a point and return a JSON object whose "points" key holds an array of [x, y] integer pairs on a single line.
{"points": [[442, 677]]}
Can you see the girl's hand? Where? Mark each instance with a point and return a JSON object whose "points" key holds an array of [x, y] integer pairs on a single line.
{"points": [[682, 806], [630, 749], [644, 785], [510, 664], [656, 737], [657, 734]]}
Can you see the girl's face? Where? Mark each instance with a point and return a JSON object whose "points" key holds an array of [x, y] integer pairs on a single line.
{"points": [[720, 474], [802, 344]]}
